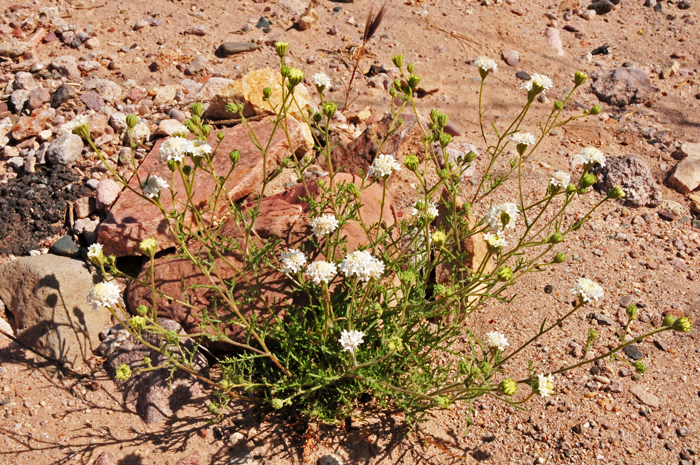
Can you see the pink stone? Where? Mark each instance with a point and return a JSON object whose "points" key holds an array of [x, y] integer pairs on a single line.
{"points": [[30, 126], [107, 193]]}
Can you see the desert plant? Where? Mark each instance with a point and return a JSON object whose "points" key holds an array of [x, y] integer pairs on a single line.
{"points": [[371, 320]]}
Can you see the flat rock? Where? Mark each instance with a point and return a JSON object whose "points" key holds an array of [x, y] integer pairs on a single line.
{"points": [[108, 90], [622, 86], [65, 247], [554, 40], [65, 149], [46, 295], [685, 177], [64, 93], [132, 219], [67, 66], [233, 48], [30, 126], [92, 100], [645, 396], [165, 94], [283, 217], [511, 57], [632, 174], [107, 192], [198, 65], [633, 352]]}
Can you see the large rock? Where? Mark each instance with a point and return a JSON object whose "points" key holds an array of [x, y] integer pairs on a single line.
{"points": [[283, 217], [622, 86], [47, 298], [67, 66], [156, 394], [633, 175], [686, 176], [132, 219], [108, 90], [65, 150]]}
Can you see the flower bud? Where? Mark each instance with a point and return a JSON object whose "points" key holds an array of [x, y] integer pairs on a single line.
{"points": [[142, 310], [172, 165], [470, 156], [190, 125], [295, 77], [206, 130], [220, 135], [277, 403], [392, 92], [669, 320], [640, 366], [83, 131], [225, 385], [281, 48], [397, 84], [413, 81], [409, 67], [587, 180], [632, 312], [187, 170], [556, 238], [197, 109], [397, 60], [284, 70], [171, 337], [485, 368], [148, 247], [616, 193], [443, 402], [559, 258], [411, 162], [123, 372], [444, 174], [231, 107], [596, 110], [682, 325], [234, 156], [505, 273], [442, 120], [570, 189], [148, 362], [132, 121], [196, 120], [593, 336], [445, 139], [407, 277], [558, 105], [579, 78], [318, 117], [439, 238], [267, 93], [138, 323], [329, 109], [508, 386]]}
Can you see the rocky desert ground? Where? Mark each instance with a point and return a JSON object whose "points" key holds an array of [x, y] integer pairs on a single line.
{"points": [[106, 59]]}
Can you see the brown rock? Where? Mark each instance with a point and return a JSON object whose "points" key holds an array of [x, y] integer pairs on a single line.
{"points": [[645, 396], [284, 217], [106, 458], [308, 20], [132, 219], [686, 176]]}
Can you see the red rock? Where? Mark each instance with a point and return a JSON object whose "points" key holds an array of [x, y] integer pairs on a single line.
{"points": [[284, 217], [106, 458], [132, 219], [136, 94], [50, 37], [29, 126], [193, 459]]}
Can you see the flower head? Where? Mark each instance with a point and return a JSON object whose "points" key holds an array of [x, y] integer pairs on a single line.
{"points": [[103, 294], [292, 261], [321, 272], [383, 166], [149, 247], [485, 64], [431, 210], [94, 251], [523, 138], [295, 76], [589, 156], [496, 340], [138, 322], [539, 81], [588, 290], [324, 225], [180, 131], [78, 121], [152, 186], [321, 80], [123, 372], [175, 148], [545, 385], [200, 148], [496, 239], [560, 179], [363, 265], [508, 386], [501, 217], [350, 340]]}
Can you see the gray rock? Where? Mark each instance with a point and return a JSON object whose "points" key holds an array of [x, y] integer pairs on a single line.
{"points": [[633, 352], [24, 80], [65, 247], [88, 228], [233, 48], [37, 98], [645, 396], [603, 319], [198, 65], [197, 30], [176, 114], [64, 93], [16, 163], [65, 150], [46, 295], [156, 395], [118, 122], [622, 86], [67, 66], [625, 300], [329, 459], [108, 90], [18, 99], [92, 100], [13, 49], [141, 25], [92, 183], [601, 7], [632, 174]]}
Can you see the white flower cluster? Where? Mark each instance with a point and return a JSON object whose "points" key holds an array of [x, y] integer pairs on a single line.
{"points": [[321, 272], [324, 225], [588, 290], [539, 80], [495, 240], [523, 138], [431, 211], [589, 156], [485, 64], [152, 186], [350, 340], [496, 340], [80, 120], [200, 148], [175, 148], [104, 294], [383, 166], [545, 385], [321, 80], [363, 265], [292, 261], [501, 217], [94, 251], [560, 179], [180, 131]]}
